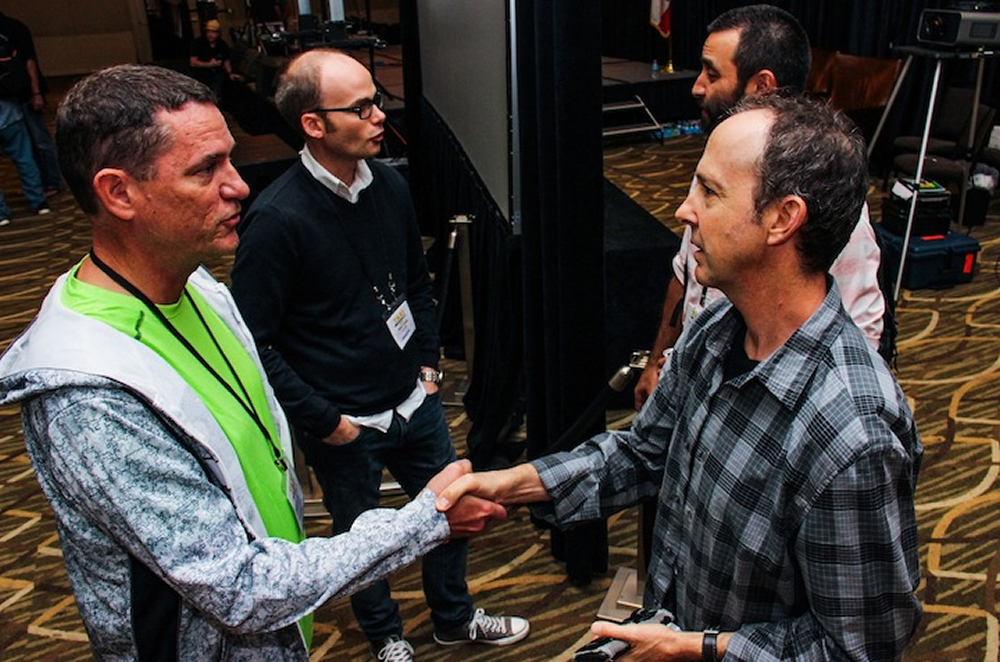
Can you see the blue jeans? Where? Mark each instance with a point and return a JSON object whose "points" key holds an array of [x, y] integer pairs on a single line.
{"points": [[350, 475], [45, 149], [17, 145]]}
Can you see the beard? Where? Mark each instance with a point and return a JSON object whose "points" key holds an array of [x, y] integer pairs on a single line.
{"points": [[715, 110]]}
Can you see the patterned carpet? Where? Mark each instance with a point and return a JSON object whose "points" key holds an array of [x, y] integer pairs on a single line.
{"points": [[949, 362]]}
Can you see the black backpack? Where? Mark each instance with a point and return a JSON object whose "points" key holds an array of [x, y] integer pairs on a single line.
{"points": [[14, 79]]}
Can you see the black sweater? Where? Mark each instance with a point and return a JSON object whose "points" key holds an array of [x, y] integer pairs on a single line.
{"points": [[303, 278]]}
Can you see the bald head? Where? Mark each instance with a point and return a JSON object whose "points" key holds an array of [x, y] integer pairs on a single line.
{"points": [[740, 142], [300, 88]]}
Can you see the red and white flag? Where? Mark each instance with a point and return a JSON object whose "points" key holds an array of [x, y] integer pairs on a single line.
{"points": [[659, 16]]}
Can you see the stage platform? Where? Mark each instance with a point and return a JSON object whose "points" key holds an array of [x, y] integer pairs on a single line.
{"points": [[668, 96], [637, 253]]}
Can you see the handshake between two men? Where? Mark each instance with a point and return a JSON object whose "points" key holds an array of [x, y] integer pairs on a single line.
{"points": [[472, 501]]}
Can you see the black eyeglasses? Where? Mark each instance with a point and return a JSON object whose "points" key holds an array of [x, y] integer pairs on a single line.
{"points": [[363, 109]]}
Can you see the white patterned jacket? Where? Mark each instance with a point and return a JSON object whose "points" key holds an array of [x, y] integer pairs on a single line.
{"points": [[162, 542]]}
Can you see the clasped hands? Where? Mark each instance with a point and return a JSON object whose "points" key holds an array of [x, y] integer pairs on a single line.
{"points": [[471, 501], [468, 512]]}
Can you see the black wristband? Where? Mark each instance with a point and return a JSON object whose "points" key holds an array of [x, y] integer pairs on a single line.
{"points": [[709, 646]]}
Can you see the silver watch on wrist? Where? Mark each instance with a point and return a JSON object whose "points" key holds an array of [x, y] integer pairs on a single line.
{"points": [[431, 375]]}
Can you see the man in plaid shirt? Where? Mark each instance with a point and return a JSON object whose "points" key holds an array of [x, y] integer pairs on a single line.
{"points": [[782, 448]]}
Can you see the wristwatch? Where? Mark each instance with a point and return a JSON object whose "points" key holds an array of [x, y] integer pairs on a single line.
{"points": [[709, 646], [431, 375]]}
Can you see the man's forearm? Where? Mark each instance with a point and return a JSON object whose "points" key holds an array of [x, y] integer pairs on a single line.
{"points": [[32, 68], [524, 486], [671, 323], [520, 484]]}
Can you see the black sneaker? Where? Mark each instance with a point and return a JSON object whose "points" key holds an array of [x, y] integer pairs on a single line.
{"points": [[394, 649], [486, 629], [43, 209]]}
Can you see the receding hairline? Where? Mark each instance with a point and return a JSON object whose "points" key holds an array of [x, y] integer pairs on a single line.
{"points": [[310, 61], [763, 131]]}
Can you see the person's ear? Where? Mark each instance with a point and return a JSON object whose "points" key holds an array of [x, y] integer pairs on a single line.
{"points": [[113, 188], [785, 217], [313, 125], [761, 81]]}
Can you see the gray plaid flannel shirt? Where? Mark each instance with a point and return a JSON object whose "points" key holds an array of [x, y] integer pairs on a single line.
{"points": [[786, 495]]}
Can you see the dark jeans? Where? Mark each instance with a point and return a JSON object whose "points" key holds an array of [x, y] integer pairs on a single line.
{"points": [[16, 144], [44, 148], [350, 475]]}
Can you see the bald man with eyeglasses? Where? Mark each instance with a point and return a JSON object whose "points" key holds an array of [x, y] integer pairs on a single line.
{"points": [[331, 278]]}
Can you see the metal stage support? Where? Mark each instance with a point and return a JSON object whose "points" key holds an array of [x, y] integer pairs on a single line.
{"points": [[625, 594]]}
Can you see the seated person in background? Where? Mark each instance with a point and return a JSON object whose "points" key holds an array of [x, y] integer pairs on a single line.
{"points": [[211, 61], [750, 50], [782, 451], [147, 414]]}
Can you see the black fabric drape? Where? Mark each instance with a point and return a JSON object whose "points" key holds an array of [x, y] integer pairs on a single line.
{"points": [[558, 52], [557, 312], [562, 203], [493, 392], [444, 184]]}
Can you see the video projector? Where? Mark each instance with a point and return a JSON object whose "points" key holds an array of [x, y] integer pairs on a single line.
{"points": [[952, 28]]}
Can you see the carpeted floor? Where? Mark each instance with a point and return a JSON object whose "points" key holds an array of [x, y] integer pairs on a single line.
{"points": [[949, 363]]}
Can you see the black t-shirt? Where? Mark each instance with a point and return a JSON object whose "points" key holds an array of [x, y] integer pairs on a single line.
{"points": [[16, 47], [737, 362], [206, 51]]}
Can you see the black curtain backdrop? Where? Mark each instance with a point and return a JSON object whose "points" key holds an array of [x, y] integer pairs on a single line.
{"points": [[562, 210], [538, 297], [451, 187], [444, 184], [559, 55]]}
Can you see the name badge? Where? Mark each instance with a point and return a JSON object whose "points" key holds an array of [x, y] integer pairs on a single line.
{"points": [[400, 323]]}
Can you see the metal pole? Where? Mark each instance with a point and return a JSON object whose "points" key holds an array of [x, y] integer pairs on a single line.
{"points": [[888, 106], [918, 177], [337, 10]]}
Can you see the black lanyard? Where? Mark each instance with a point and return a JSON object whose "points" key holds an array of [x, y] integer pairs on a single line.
{"points": [[352, 240], [247, 404]]}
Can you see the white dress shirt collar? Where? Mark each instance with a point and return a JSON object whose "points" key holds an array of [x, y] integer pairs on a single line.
{"points": [[362, 177]]}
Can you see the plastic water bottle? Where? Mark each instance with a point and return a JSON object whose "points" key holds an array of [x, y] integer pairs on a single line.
{"points": [[655, 71]]}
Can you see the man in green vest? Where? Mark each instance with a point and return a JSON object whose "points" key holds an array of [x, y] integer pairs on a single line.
{"points": [[150, 423]]}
